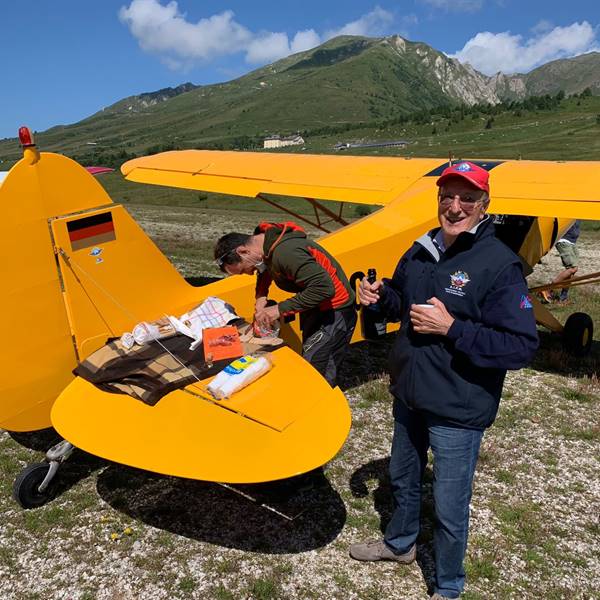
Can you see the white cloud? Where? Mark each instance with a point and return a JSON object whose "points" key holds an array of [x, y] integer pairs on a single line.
{"points": [[305, 40], [455, 5], [375, 23], [406, 23], [163, 30], [492, 52], [267, 48], [410, 19], [543, 26]]}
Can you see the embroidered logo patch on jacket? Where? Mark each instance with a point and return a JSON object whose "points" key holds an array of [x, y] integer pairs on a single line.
{"points": [[525, 302], [458, 282]]}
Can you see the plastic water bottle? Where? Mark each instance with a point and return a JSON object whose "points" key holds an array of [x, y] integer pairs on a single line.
{"points": [[237, 375]]}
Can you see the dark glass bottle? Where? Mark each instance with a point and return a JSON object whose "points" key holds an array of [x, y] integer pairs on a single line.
{"points": [[372, 319]]}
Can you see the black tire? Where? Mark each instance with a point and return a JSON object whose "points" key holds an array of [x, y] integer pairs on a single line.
{"points": [[578, 334], [25, 487]]}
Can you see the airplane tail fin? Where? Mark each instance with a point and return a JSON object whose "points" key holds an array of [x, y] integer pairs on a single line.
{"points": [[77, 270]]}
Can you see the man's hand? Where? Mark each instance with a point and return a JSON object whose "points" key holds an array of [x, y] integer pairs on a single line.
{"points": [[260, 304], [267, 316], [436, 320], [368, 293]]}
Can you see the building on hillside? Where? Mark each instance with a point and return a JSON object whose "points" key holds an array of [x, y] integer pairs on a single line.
{"points": [[276, 141]]}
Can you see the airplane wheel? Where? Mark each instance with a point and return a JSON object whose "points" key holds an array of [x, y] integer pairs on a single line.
{"points": [[25, 487], [578, 334]]}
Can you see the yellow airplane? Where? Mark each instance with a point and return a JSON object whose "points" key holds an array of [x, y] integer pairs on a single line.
{"points": [[77, 270]]}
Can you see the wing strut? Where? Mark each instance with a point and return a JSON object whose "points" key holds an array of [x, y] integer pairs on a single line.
{"points": [[332, 216], [567, 283], [319, 211]]}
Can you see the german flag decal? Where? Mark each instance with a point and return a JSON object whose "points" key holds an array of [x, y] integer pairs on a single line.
{"points": [[91, 231]]}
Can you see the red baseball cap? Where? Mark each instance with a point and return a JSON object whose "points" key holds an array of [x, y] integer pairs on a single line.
{"points": [[467, 170]]}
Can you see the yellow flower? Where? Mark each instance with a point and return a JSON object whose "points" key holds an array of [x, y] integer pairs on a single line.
{"points": [[114, 536], [128, 531]]}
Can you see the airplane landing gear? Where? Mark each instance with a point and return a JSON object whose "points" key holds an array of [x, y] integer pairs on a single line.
{"points": [[32, 488], [27, 486], [578, 334]]}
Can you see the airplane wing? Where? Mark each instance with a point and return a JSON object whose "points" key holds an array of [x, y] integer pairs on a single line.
{"points": [[534, 188], [546, 189], [359, 179]]}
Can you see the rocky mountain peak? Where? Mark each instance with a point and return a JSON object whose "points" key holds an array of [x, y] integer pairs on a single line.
{"points": [[397, 42]]}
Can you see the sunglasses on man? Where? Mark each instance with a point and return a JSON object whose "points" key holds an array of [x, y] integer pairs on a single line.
{"points": [[467, 201], [229, 258]]}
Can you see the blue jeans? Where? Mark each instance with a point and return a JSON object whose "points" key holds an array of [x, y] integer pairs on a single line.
{"points": [[455, 451]]}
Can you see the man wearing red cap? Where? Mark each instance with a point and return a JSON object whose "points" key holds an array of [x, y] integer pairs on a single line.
{"points": [[466, 318]]}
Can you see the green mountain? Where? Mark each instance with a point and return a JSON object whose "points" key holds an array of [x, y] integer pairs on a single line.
{"points": [[347, 80], [571, 75]]}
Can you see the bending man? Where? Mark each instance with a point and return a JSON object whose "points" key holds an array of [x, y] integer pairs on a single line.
{"points": [[282, 253]]}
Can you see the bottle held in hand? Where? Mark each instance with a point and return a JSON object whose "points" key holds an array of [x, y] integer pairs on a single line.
{"points": [[372, 320]]}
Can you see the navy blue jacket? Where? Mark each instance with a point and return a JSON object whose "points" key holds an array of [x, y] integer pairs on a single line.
{"points": [[459, 377]]}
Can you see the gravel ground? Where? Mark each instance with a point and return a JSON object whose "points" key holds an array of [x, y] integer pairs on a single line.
{"points": [[116, 533]]}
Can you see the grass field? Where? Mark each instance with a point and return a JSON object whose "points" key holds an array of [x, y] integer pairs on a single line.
{"points": [[569, 132], [117, 533]]}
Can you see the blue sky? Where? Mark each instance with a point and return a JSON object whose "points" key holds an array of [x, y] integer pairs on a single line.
{"points": [[66, 59]]}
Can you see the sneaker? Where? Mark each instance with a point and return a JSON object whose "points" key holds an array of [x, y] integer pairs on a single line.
{"points": [[378, 550]]}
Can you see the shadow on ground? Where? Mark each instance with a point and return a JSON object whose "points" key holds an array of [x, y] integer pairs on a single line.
{"points": [[551, 357], [280, 517], [368, 360], [365, 361], [40, 440], [208, 512]]}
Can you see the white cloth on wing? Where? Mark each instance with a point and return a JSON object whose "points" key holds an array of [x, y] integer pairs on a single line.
{"points": [[213, 312]]}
